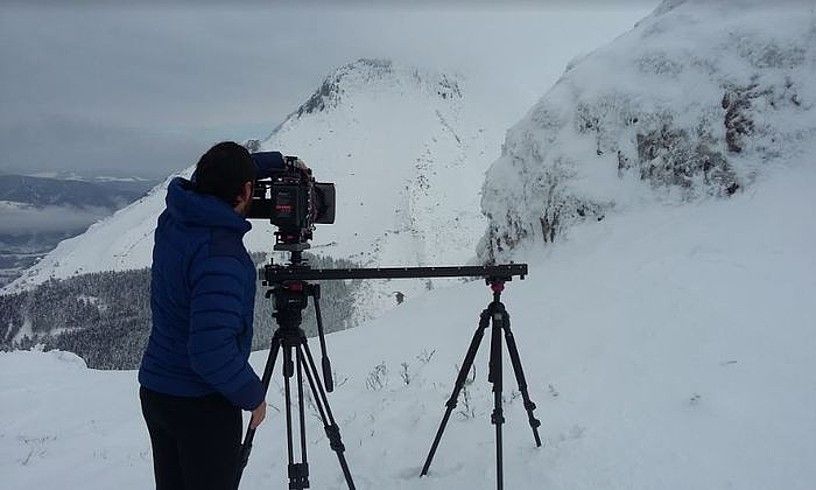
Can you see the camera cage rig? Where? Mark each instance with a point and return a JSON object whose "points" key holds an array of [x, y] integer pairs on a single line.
{"points": [[292, 200], [289, 285]]}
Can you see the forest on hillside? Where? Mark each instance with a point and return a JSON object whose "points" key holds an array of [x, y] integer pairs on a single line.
{"points": [[105, 317]]}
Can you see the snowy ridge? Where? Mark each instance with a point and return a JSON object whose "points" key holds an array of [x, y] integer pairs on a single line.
{"points": [[415, 134], [696, 101]]}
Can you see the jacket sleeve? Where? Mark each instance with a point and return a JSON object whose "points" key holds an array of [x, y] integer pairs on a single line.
{"points": [[268, 163], [215, 323]]}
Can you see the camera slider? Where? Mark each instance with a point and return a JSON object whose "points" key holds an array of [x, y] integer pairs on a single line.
{"points": [[491, 273]]}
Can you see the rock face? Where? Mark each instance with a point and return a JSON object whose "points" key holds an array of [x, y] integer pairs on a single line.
{"points": [[694, 102]]}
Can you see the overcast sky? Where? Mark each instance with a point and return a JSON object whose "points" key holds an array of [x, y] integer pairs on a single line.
{"points": [[143, 91]]}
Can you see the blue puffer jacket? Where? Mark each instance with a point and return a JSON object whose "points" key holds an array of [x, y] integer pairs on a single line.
{"points": [[202, 297]]}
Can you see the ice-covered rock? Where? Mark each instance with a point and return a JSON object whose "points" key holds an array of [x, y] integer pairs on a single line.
{"points": [[695, 101]]}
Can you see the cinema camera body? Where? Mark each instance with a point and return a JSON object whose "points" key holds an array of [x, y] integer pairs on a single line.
{"points": [[294, 202]]}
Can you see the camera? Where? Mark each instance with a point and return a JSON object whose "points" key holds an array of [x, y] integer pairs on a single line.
{"points": [[294, 202]]}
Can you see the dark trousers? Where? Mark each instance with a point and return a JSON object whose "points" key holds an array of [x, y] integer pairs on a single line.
{"points": [[196, 440]]}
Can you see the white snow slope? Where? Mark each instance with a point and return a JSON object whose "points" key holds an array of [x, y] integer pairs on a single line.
{"points": [[407, 149], [695, 101], [669, 348]]}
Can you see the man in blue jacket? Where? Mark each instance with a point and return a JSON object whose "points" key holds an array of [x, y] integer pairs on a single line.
{"points": [[195, 377]]}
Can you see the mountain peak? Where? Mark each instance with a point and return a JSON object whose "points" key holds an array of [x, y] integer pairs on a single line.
{"points": [[366, 73]]}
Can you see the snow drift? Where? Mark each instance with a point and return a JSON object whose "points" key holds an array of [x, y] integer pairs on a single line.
{"points": [[696, 101]]}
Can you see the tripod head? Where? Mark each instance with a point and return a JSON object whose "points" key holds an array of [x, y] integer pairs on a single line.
{"points": [[291, 298]]}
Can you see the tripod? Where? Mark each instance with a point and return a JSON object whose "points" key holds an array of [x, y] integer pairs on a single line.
{"points": [[496, 314], [291, 298], [291, 292]]}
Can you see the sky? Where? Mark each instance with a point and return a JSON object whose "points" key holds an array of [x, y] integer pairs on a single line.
{"points": [[142, 91]]}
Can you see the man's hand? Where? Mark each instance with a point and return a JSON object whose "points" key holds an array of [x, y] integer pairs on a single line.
{"points": [[300, 164], [258, 415]]}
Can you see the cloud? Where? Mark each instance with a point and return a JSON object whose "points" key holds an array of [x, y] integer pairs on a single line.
{"points": [[146, 89], [24, 220], [61, 143]]}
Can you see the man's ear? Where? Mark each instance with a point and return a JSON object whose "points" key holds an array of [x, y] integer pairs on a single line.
{"points": [[244, 197]]}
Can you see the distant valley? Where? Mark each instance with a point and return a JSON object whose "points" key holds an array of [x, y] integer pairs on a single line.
{"points": [[37, 212]]}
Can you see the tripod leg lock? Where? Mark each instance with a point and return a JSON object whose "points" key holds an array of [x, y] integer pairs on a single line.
{"points": [[333, 433], [497, 417], [298, 476]]}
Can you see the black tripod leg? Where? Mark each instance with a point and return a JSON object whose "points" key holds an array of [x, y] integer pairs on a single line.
{"points": [[328, 380], [288, 370], [323, 408], [495, 377], [461, 378], [299, 472], [246, 447], [520, 379]]}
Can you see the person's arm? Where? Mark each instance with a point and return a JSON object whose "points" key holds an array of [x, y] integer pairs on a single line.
{"points": [[215, 323], [268, 163]]}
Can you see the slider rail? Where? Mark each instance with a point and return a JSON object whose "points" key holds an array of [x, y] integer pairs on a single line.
{"points": [[275, 274]]}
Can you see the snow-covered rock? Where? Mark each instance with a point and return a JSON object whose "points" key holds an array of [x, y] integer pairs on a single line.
{"points": [[695, 101], [407, 149]]}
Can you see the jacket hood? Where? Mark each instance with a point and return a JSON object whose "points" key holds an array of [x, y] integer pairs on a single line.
{"points": [[194, 209]]}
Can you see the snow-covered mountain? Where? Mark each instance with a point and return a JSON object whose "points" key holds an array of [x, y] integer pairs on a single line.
{"points": [[407, 149], [698, 100], [667, 347]]}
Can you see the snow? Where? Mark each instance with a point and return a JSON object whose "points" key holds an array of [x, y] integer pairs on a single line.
{"points": [[670, 347], [26, 331]]}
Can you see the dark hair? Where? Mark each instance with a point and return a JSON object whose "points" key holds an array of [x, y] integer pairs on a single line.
{"points": [[223, 170]]}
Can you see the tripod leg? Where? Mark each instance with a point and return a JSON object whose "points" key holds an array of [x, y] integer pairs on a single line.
{"points": [[328, 380], [520, 379], [495, 377], [457, 386], [288, 370], [299, 472], [323, 408], [246, 447]]}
